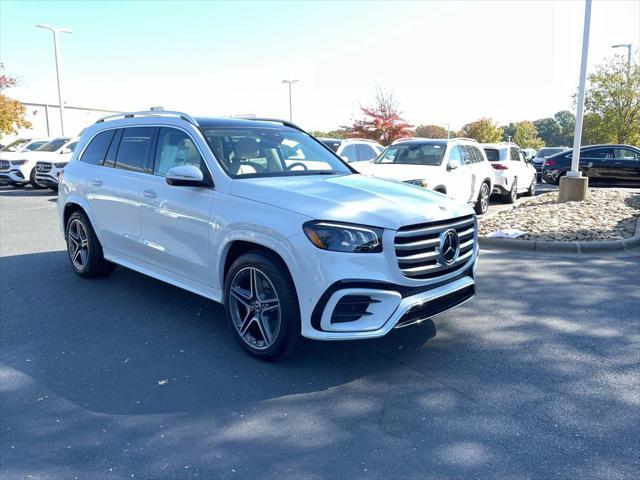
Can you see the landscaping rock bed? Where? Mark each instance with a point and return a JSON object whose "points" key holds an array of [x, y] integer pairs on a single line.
{"points": [[607, 215]]}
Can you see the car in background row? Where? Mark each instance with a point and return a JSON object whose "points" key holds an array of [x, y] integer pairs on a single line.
{"points": [[16, 168], [603, 164], [456, 167], [354, 150], [543, 154], [529, 153], [513, 174], [50, 161]]}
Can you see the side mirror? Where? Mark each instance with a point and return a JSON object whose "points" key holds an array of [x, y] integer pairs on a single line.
{"points": [[453, 164], [345, 158], [65, 151], [185, 176]]}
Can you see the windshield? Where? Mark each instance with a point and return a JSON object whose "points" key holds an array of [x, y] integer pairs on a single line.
{"points": [[496, 154], [36, 145], [547, 152], [16, 145], [413, 154], [53, 145], [269, 152]]}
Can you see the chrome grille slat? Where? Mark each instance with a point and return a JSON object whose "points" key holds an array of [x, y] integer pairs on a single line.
{"points": [[435, 229], [417, 247], [43, 167], [4, 165]]}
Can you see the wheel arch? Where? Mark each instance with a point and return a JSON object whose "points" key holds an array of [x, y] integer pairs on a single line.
{"points": [[76, 203]]}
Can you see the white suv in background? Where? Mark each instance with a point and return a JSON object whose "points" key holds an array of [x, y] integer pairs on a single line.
{"points": [[51, 160], [513, 173], [15, 168], [456, 167], [291, 246], [356, 151]]}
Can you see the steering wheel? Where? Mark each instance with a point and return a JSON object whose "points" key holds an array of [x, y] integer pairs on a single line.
{"points": [[295, 164]]}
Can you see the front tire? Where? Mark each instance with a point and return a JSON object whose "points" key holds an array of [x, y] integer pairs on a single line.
{"points": [[32, 180], [482, 205], [261, 306], [83, 246]]}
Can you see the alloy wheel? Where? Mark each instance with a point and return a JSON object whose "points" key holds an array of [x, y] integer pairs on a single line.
{"points": [[255, 308], [514, 190], [78, 245], [484, 198]]}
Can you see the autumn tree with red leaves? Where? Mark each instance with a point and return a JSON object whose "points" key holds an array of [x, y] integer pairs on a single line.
{"points": [[382, 122]]}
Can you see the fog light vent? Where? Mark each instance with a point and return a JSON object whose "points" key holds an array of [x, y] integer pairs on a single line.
{"points": [[351, 308]]}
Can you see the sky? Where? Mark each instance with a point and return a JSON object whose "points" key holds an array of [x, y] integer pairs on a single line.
{"points": [[446, 62]]}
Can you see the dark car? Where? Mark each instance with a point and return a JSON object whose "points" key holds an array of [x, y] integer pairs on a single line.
{"points": [[603, 164], [542, 155]]}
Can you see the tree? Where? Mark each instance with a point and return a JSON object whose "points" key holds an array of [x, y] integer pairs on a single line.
{"points": [[548, 130], [508, 131], [483, 130], [431, 131], [382, 122], [612, 103], [12, 112], [340, 133], [567, 122], [526, 135]]}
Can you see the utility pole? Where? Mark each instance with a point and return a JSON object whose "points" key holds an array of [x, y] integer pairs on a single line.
{"points": [[575, 187], [56, 50], [290, 83]]}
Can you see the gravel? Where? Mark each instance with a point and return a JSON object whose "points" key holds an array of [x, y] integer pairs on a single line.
{"points": [[606, 215]]}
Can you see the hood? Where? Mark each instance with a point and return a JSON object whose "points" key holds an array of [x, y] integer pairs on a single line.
{"points": [[48, 157], [401, 172], [351, 198], [14, 155]]}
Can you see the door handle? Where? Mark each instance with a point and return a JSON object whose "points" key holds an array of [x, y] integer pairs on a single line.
{"points": [[96, 182], [149, 194]]}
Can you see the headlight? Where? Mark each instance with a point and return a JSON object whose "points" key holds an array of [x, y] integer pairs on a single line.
{"points": [[419, 182], [61, 164], [344, 237], [19, 162]]}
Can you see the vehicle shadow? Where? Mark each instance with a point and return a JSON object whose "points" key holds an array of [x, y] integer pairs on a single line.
{"points": [[106, 343], [25, 192]]}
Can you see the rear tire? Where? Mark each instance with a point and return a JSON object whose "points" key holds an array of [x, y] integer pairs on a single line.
{"points": [[512, 195], [261, 306], [84, 249], [482, 204]]}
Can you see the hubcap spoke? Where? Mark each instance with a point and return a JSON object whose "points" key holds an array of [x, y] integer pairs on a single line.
{"points": [[269, 304], [265, 330], [241, 296]]}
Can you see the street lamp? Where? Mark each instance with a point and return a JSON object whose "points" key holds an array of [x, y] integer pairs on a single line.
{"points": [[290, 82], [55, 32], [628, 47]]}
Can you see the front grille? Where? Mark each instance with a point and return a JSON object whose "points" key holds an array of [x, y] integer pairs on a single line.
{"points": [[417, 247], [43, 167], [351, 308], [435, 306], [4, 165]]}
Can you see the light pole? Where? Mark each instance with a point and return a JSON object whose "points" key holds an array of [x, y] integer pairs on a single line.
{"points": [[290, 83], [575, 187], [628, 47], [55, 32]]}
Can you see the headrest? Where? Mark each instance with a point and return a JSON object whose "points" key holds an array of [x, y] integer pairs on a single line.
{"points": [[247, 148]]}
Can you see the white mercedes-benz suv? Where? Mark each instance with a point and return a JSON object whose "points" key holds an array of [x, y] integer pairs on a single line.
{"points": [[456, 167], [264, 218]]}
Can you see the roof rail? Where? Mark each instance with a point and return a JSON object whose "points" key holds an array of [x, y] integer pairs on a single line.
{"points": [[151, 113], [277, 120], [361, 139], [464, 138]]}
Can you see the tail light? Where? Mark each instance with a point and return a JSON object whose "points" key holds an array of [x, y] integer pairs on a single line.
{"points": [[499, 166], [549, 163]]}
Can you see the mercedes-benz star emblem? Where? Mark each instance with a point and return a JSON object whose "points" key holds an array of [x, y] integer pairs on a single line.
{"points": [[449, 247]]}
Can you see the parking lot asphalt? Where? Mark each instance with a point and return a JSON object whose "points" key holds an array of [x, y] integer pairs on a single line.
{"points": [[537, 377]]}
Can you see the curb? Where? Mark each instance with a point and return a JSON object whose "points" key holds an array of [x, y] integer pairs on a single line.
{"points": [[490, 243]]}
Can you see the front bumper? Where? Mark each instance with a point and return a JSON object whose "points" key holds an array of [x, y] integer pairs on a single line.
{"points": [[49, 179], [14, 176]]}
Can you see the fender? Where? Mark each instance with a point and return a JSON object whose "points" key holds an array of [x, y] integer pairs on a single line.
{"points": [[278, 246], [84, 204]]}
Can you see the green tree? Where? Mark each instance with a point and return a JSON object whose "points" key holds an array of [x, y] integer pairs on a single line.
{"points": [[484, 130], [12, 112], [431, 131], [508, 131], [381, 122], [567, 122], [612, 103], [548, 130], [526, 135]]}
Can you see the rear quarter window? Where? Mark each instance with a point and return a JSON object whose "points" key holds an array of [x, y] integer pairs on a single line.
{"points": [[97, 149]]}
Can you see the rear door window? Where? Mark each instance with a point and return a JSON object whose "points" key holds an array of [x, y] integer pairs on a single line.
{"points": [[134, 149], [97, 149]]}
